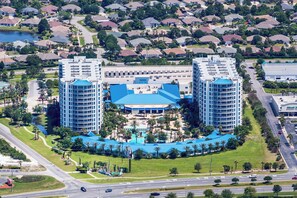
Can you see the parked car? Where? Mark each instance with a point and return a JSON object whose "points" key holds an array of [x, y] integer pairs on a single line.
{"points": [[108, 190], [294, 178], [83, 189], [155, 194], [253, 176]]}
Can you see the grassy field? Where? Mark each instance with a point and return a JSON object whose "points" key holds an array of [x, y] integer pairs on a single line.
{"points": [[48, 183], [254, 151], [82, 41], [17, 28], [95, 40], [37, 145]]}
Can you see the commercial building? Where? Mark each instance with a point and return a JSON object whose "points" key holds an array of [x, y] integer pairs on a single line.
{"points": [[280, 71], [217, 89], [154, 75], [80, 94], [145, 98], [286, 105]]}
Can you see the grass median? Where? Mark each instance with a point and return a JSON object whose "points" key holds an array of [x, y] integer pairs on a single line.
{"points": [[22, 186]]}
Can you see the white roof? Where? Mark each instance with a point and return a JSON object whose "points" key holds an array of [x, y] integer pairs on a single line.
{"points": [[280, 69]]}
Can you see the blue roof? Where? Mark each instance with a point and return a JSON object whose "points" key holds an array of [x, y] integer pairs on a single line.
{"points": [[81, 83], [223, 81], [164, 147], [120, 95]]}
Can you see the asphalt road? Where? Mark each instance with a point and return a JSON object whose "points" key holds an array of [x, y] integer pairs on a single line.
{"points": [[265, 98], [86, 34]]}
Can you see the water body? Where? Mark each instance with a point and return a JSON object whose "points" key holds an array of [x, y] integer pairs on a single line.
{"points": [[11, 36]]}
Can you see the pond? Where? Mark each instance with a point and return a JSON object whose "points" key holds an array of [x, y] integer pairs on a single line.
{"points": [[11, 36]]}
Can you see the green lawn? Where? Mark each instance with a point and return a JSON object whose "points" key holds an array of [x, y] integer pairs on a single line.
{"points": [[37, 145], [55, 91], [48, 183], [278, 91], [95, 40], [81, 175], [87, 27], [17, 28], [254, 151], [82, 41]]}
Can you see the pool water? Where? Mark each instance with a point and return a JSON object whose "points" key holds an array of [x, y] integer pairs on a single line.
{"points": [[140, 140]]}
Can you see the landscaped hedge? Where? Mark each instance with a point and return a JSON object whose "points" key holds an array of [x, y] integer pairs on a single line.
{"points": [[7, 150]]}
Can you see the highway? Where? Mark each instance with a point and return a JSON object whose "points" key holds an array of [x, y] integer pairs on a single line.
{"points": [[72, 186]]}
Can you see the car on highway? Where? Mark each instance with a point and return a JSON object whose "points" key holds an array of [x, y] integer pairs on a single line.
{"points": [[83, 189], [108, 190], [294, 178], [280, 132], [155, 194], [253, 176]]}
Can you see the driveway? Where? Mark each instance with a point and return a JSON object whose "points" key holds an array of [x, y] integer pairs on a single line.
{"points": [[85, 32]]}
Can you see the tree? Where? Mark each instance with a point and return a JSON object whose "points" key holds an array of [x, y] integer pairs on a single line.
{"points": [[294, 186], [247, 166], [235, 180], [226, 193], [197, 167], [173, 153], [157, 149], [232, 143], [27, 118], [282, 120], [173, 171], [208, 193], [171, 195], [62, 131], [217, 182], [277, 189], [249, 192], [138, 154], [190, 195], [77, 145], [275, 166], [43, 26], [267, 179]]}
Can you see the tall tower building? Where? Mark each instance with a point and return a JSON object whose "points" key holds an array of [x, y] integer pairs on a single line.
{"points": [[217, 89], [80, 94]]}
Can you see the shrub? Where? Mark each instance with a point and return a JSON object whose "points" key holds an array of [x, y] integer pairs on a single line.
{"points": [[30, 178]]}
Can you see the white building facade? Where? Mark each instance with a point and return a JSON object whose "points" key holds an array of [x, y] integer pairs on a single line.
{"points": [[217, 90], [80, 94]]}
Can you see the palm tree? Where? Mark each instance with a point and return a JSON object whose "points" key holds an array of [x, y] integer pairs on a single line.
{"points": [[157, 149], [110, 147], [210, 147], [95, 146], [195, 148], [187, 150], [235, 165], [119, 149], [102, 147], [290, 136], [217, 146], [88, 146], [223, 142], [203, 146]]}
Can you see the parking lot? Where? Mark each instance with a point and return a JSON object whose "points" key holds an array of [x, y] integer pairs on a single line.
{"points": [[290, 128]]}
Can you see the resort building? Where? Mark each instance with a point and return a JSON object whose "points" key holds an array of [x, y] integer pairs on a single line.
{"points": [[286, 105], [217, 89], [145, 98], [80, 94], [280, 71]]}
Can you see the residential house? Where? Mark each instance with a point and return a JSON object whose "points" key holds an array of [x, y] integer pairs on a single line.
{"points": [[231, 38], [49, 10], [227, 50], [109, 25], [55, 23], [134, 33], [206, 30], [128, 53], [122, 23], [174, 3], [171, 22], [182, 41], [71, 8], [250, 38], [45, 44], [60, 39], [201, 50], [122, 43], [48, 56], [7, 11], [19, 44], [31, 22], [151, 53], [150, 22], [211, 18], [99, 19], [138, 41], [274, 48], [9, 22], [233, 17], [29, 10], [209, 39], [179, 52], [134, 5], [165, 39], [191, 21], [280, 38], [116, 7], [223, 30], [287, 7]]}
